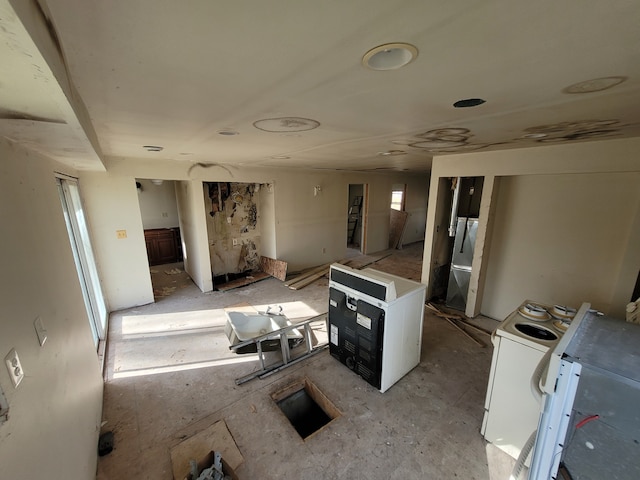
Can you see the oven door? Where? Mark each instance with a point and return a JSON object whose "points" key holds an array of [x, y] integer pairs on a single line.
{"points": [[369, 335]]}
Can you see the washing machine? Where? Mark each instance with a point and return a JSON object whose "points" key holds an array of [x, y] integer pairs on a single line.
{"points": [[375, 323]]}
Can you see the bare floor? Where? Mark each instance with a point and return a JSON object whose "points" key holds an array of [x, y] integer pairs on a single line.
{"points": [[170, 374]]}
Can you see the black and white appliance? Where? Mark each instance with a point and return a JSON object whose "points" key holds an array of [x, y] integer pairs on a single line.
{"points": [[590, 422], [461, 261], [520, 343], [375, 323]]}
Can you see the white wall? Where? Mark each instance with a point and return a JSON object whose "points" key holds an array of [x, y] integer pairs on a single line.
{"points": [[592, 186], [267, 220], [303, 225], [158, 206], [111, 204], [560, 239], [416, 199], [193, 229], [55, 412]]}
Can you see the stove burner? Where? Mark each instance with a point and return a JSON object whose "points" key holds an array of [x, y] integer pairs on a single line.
{"points": [[536, 332]]}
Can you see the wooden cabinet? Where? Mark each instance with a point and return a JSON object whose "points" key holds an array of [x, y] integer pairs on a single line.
{"points": [[163, 245]]}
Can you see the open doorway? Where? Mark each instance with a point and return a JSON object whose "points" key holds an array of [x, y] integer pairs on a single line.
{"points": [[160, 221], [397, 215], [356, 218], [464, 221]]}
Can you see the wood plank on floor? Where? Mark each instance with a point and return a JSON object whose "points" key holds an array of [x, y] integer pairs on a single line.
{"points": [[242, 282], [306, 274]]}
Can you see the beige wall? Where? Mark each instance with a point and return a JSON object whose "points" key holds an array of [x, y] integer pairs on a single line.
{"points": [[158, 207], [560, 239], [592, 186], [267, 220], [298, 227], [111, 204], [193, 230], [55, 412]]}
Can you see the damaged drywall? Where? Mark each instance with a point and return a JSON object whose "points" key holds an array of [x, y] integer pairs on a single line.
{"points": [[232, 227]]}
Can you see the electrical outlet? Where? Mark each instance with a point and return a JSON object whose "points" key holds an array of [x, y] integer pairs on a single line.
{"points": [[14, 367], [121, 234], [165, 214]]}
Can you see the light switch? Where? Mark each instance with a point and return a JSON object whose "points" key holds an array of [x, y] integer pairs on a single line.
{"points": [[40, 330], [121, 234]]}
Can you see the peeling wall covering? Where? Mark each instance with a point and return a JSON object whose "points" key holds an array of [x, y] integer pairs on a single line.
{"points": [[232, 215]]}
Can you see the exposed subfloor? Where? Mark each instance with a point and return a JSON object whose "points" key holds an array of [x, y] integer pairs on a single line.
{"points": [[170, 374]]}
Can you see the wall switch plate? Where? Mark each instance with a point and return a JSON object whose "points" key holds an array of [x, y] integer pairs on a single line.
{"points": [[40, 330], [235, 242], [14, 367]]}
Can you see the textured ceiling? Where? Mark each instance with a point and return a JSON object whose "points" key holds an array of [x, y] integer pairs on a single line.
{"points": [[287, 78]]}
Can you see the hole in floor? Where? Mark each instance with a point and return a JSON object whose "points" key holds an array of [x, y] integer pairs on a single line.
{"points": [[306, 407]]}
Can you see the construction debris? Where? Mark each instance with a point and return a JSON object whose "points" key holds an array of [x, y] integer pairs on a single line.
{"points": [[313, 274], [459, 323], [275, 268], [242, 282]]}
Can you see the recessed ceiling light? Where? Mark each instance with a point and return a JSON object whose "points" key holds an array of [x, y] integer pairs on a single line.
{"points": [[390, 56], [429, 144], [280, 157], [153, 148], [594, 85], [392, 153], [286, 124], [469, 102], [534, 135], [227, 132]]}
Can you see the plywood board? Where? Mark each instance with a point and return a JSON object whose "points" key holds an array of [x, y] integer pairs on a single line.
{"points": [[398, 222], [275, 268], [214, 438]]}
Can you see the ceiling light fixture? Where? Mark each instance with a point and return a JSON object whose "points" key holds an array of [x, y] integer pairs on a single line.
{"points": [[392, 153], [286, 124], [390, 56], [153, 148], [227, 132], [280, 157], [469, 102], [534, 135], [594, 85]]}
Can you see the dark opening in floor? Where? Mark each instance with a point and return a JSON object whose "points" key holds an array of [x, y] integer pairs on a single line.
{"points": [[306, 407]]}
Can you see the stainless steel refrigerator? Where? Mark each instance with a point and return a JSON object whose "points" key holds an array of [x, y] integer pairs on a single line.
{"points": [[461, 260]]}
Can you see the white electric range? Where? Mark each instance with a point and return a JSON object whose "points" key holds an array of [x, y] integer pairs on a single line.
{"points": [[520, 342]]}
